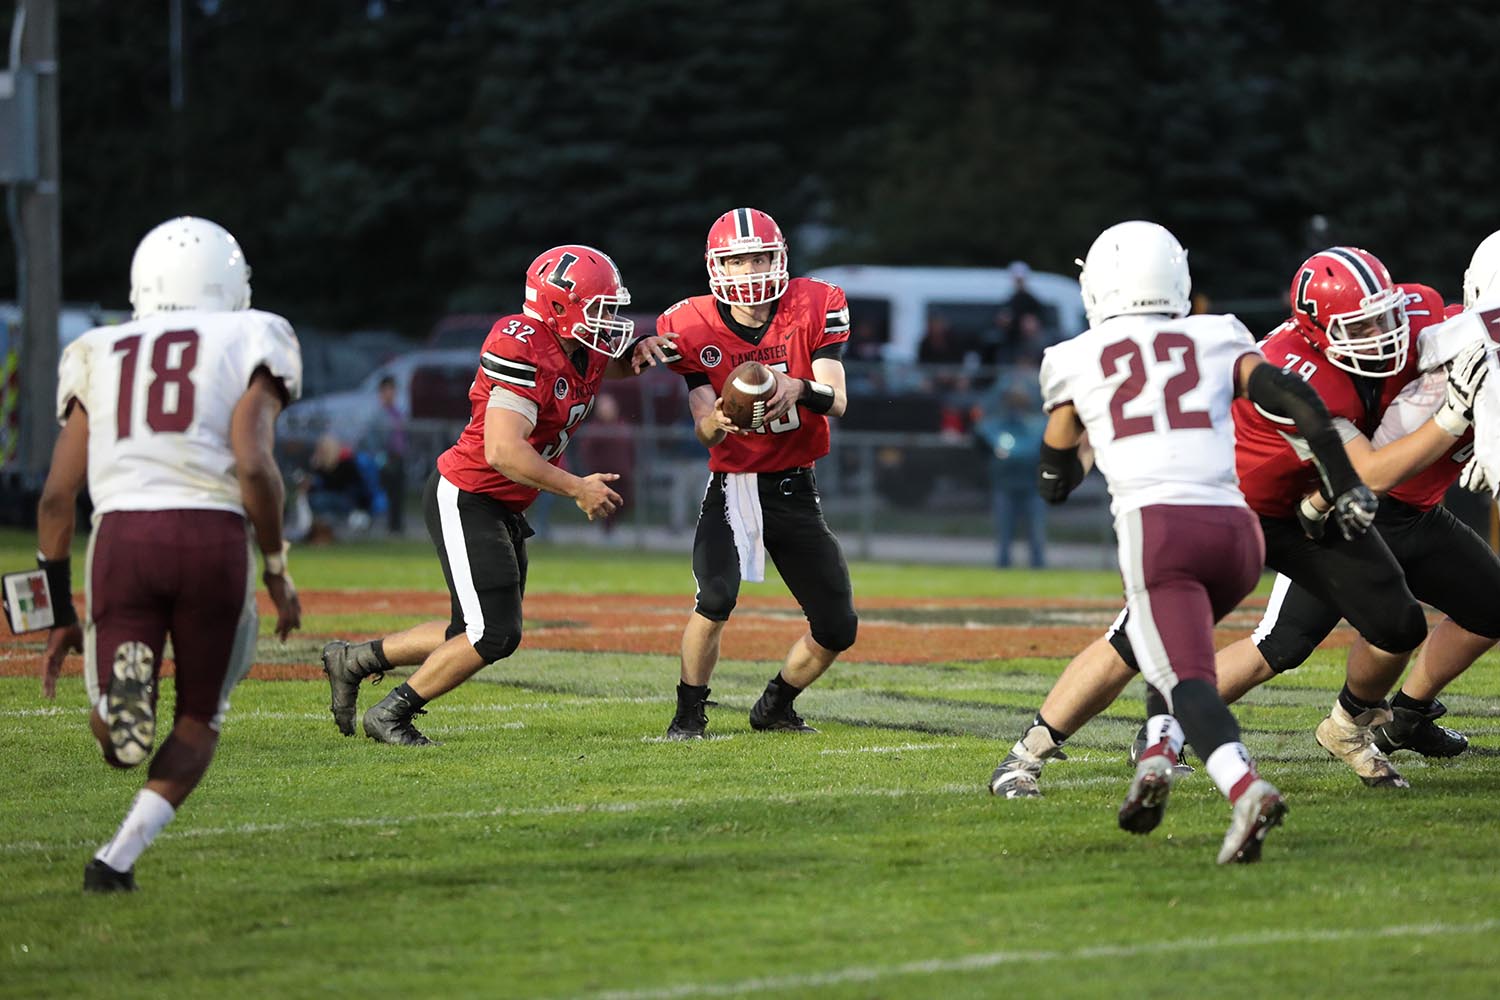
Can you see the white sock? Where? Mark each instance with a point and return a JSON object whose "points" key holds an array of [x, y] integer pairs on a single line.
{"points": [[1161, 728], [148, 814], [1229, 766]]}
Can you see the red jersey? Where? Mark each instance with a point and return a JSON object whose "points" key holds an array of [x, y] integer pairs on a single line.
{"points": [[811, 320], [520, 358], [1273, 461]]}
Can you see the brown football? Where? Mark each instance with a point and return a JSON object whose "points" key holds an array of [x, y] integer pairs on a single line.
{"points": [[746, 392]]}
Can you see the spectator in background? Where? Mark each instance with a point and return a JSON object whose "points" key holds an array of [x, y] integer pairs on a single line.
{"points": [[1009, 425], [343, 484], [941, 354], [1022, 302], [609, 445], [385, 441]]}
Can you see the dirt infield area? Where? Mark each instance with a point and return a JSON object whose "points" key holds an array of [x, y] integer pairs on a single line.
{"points": [[891, 630]]}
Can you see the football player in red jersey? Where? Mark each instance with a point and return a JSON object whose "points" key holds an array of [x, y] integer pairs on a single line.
{"points": [[762, 496], [538, 374], [1349, 338], [1445, 564]]}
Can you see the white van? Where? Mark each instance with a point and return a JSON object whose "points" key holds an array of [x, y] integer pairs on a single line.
{"points": [[895, 304]]}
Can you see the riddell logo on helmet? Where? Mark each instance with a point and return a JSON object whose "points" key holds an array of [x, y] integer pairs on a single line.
{"points": [[710, 356]]}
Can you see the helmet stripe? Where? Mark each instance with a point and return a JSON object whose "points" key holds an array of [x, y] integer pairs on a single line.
{"points": [[742, 225], [1367, 279]]}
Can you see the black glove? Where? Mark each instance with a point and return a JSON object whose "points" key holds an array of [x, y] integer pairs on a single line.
{"points": [[1354, 509], [1312, 519], [1058, 473]]}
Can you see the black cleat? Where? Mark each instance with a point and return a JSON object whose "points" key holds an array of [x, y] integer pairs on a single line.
{"points": [[766, 718], [390, 722], [690, 722], [1416, 730], [100, 877], [343, 681]]}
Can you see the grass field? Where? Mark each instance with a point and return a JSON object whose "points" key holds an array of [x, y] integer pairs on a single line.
{"points": [[553, 846]]}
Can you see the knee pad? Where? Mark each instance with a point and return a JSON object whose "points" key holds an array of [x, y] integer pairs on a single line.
{"points": [[1404, 634], [497, 645], [715, 602], [837, 635], [1283, 653], [1121, 644]]}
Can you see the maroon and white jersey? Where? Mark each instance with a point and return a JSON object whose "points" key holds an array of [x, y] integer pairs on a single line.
{"points": [[811, 320], [1417, 401], [1154, 395], [160, 392], [523, 367], [1274, 462]]}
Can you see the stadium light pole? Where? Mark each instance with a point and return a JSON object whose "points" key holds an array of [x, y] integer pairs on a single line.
{"points": [[36, 227]]}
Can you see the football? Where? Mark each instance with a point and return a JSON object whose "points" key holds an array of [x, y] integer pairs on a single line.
{"points": [[746, 392]]}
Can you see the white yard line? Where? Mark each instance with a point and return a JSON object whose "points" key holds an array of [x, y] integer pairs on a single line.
{"points": [[803, 982], [896, 749], [975, 789]]}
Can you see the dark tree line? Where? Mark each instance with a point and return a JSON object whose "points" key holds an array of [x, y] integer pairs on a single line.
{"points": [[384, 168]]}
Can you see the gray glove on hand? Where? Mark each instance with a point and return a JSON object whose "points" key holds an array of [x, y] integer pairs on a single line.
{"points": [[1354, 510], [1466, 374]]}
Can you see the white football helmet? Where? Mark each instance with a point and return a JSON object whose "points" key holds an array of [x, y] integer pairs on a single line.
{"points": [[1483, 275], [1135, 267], [188, 263]]}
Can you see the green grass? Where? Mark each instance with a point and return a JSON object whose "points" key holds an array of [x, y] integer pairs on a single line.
{"points": [[552, 847]]}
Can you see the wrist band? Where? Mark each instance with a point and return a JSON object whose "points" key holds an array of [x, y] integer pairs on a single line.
{"points": [[816, 396], [60, 586]]}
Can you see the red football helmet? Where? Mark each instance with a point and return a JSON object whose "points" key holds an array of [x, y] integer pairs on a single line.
{"points": [[1344, 302], [576, 290], [746, 230]]}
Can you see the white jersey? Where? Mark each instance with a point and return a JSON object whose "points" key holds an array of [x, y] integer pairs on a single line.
{"points": [[1154, 395], [159, 393], [1442, 342]]}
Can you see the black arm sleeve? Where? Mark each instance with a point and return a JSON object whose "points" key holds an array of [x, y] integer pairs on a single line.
{"points": [[695, 379], [1059, 473], [1274, 391]]}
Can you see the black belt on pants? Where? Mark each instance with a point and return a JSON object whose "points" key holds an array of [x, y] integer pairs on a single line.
{"points": [[783, 481]]}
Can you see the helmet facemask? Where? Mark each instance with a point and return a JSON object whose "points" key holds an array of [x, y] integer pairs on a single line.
{"points": [[753, 288], [1373, 340], [601, 328]]}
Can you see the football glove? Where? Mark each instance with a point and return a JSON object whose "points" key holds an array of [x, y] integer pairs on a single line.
{"points": [[1313, 520], [1466, 375], [1354, 510], [1474, 479]]}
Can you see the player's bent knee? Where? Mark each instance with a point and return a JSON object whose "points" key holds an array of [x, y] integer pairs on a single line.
{"points": [[715, 603], [1405, 633], [497, 645], [1284, 656], [836, 636]]}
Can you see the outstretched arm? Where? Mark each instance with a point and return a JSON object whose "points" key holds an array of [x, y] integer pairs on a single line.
{"points": [[1286, 395]]}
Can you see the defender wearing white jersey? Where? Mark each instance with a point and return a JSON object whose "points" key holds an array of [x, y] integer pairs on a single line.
{"points": [[171, 421], [1152, 388]]}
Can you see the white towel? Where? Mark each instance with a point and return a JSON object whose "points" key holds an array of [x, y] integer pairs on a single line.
{"points": [[742, 504]]}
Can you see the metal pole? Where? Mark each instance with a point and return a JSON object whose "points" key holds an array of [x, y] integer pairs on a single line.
{"points": [[39, 254]]}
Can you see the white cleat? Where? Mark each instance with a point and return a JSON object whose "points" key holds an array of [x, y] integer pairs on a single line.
{"points": [[1259, 809], [128, 707], [1351, 739]]}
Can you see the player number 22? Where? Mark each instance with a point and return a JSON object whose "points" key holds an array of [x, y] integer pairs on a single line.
{"points": [[1164, 346]]}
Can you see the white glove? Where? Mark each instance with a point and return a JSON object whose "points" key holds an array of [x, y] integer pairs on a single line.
{"points": [[1466, 373], [1473, 478]]}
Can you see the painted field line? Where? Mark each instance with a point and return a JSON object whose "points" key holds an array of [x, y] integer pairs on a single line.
{"points": [[896, 749], [29, 713], [801, 983], [975, 789]]}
